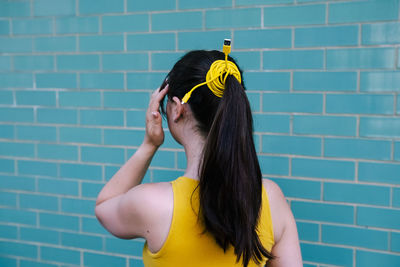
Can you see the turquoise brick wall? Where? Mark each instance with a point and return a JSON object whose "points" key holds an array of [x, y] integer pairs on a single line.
{"points": [[323, 79]]}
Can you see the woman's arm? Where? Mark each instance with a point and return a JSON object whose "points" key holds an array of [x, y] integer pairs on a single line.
{"points": [[132, 172]]}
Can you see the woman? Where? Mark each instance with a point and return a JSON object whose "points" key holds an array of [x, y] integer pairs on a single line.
{"points": [[220, 212]]}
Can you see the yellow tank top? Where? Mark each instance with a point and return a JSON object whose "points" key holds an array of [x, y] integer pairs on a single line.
{"points": [[186, 246]]}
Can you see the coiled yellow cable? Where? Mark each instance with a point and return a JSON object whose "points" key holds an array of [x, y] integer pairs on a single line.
{"points": [[215, 78]]}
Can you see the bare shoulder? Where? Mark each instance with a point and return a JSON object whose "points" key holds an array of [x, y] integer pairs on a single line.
{"points": [[280, 211]]}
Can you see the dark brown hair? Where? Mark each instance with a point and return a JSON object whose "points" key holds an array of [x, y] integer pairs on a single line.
{"points": [[230, 186]]}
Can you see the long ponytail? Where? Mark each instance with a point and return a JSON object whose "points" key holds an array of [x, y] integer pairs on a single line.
{"points": [[230, 186]]}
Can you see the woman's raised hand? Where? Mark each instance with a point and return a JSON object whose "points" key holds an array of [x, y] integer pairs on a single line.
{"points": [[154, 132]]}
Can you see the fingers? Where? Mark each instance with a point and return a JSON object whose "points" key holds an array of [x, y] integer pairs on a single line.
{"points": [[156, 98]]}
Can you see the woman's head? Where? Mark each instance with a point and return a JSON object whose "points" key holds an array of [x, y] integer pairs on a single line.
{"points": [[190, 71]]}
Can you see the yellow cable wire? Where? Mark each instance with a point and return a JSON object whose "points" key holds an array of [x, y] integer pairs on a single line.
{"points": [[215, 78]]}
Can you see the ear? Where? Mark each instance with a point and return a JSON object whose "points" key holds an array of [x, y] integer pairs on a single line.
{"points": [[178, 109]]}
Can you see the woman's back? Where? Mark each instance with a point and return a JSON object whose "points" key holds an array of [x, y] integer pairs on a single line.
{"points": [[185, 245]]}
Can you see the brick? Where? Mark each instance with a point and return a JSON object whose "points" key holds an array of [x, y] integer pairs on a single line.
{"points": [[360, 58], [248, 60], [91, 190], [18, 249], [145, 80], [163, 159], [137, 100], [395, 242], [6, 97], [378, 217], [26, 263], [39, 235], [7, 165], [300, 188], [102, 80], [81, 241], [30, 63], [357, 148], [233, 18], [17, 216], [169, 141], [323, 212], [151, 5], [53, 7], [165, 175], [42, 98], [8, 231], [293, 59], [370, 258], [15, 9], [9, 262], [177, 21], [164, 60], [80, 135], [101, 7], [325, 125], [78, 62], [32, 26], [80, 206], [102, 117], [63, 152], [294, 15], [57, 186], [267, 81], [379, 127], [271, 123], [17, 183], [131, 247], [132, 61], [81, 171], [363, 11], [102, 154], [359, 103], [261, 2], [123, 137], [77, 25], [19, 80], [37, 168], [79, 99], [191, 4], [126, 23], [136, 263], [291, 145], [16, 149], [381, 33], [101, 43], [4, 27], [292, 102], [308, 231], [326, 36], [357, 193], [379, 172], [8, 199], [15, 45], [55, 44], [202, 40], [40, 202], [396, 150], [268, 38], [254, 99], [92, 225], [6, 131], [59, 221], [274, 165], [322, 253], [151, 41], [96, 259], [322, 168], [5, 62], [324, 81], [60, 255], [57, 115], [41, 133], [56, 80], [379, 81]]}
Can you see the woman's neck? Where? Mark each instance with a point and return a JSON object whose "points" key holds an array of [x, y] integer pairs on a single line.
{"points": [[194, 156]]}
